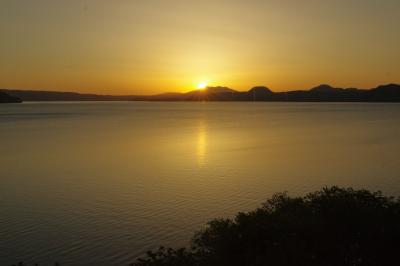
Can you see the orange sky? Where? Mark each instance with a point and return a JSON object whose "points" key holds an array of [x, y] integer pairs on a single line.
{"points": [[153, 46]]}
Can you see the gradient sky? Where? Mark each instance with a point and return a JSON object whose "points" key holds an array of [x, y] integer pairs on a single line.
{"points": [[152, 46]]}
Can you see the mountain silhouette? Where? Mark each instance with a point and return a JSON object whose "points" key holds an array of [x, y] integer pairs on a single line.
{"points": [[321, 93], [210, 94], [219, 89], [260, 90], [389, 88], [325, 88]]}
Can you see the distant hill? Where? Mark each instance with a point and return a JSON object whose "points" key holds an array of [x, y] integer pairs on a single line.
{"points": [[33, 95], [321, 93], [324, 88], [260, 90], [5, 98]]}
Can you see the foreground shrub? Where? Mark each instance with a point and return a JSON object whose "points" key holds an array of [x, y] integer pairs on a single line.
{"points": [[334, 226]]}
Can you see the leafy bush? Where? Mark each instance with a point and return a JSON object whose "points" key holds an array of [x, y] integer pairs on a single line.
{"points": [[334, 226]]}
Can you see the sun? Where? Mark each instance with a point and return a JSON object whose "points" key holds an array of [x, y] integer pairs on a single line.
{"points": [[202, 85]]}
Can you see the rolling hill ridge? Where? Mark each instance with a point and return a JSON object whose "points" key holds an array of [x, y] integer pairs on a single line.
{"points": [[321, 93]]}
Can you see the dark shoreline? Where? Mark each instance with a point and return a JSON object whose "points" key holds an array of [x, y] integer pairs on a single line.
{"points": [[323, 93], [6, 98]]}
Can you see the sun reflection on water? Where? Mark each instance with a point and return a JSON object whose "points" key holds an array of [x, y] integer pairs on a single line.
{"points": [[201, 148]]}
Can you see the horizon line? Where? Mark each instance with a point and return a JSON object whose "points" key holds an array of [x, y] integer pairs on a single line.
{"points": [[193, 90]]}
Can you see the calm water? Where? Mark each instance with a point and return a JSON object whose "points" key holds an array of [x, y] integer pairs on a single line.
{"points": [[100, 183]]}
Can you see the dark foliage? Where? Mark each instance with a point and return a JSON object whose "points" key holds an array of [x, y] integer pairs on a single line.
{"points": [[333, 226]]}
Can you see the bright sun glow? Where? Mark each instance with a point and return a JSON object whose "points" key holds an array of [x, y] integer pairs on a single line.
{"points": [[202, 85]]}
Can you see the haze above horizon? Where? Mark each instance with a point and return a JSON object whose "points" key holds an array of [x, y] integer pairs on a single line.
{"points": [[155, 46]]}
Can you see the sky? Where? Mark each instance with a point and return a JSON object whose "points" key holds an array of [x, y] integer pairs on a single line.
{"points": [[155, 46]]}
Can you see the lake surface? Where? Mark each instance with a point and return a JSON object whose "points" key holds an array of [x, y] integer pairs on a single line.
{"points": [[99, 183]]}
